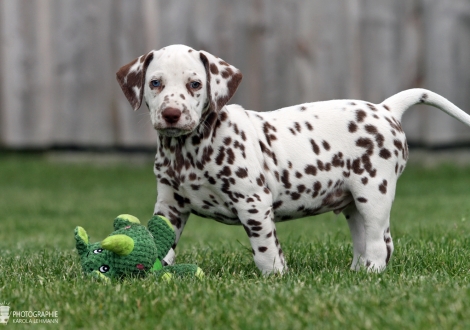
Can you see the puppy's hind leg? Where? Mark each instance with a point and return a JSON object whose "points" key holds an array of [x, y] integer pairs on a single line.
{"points": [[358, 234], [369, 221]]}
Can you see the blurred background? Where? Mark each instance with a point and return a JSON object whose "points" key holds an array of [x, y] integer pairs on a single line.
{"points": [[58, 60]]}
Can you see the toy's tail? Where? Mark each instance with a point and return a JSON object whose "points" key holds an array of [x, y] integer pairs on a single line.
{"points": [[163, 234], [402, 101]]}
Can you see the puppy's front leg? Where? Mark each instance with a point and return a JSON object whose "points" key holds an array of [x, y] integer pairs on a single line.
{"points": [[257, 219], [177, 218]]}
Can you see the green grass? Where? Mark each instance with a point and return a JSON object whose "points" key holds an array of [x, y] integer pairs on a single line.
{"points": [[427, 284]]}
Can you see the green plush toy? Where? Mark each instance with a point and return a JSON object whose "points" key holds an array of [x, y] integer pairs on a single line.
{"points": [[132, 249]]}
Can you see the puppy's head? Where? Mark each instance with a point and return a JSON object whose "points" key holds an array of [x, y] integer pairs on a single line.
{"points": [[179, 85]]}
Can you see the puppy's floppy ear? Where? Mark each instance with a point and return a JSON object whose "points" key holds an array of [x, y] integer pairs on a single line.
{"points": [[222, 80], [131, 78]]}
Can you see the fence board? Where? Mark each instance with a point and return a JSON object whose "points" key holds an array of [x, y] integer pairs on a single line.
{"points": [[58, 60]]}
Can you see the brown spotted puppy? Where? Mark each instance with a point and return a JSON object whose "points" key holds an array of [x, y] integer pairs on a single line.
{"points": [[254, 169]]}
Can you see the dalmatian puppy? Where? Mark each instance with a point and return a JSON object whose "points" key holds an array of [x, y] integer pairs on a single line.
{"points": [[254, 169]]}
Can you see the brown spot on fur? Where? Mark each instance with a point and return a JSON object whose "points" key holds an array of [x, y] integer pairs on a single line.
{"points": [[241, 173], [267, 127], [394, 124], [230, 156], [337, 160], [277, 204], [181, 200], [372, 107], [225, 171], [268, 152], [227, 140], [311, 170], [385, 153], [423, 98], [213, 68], [165, 181], [223, 116], [295, 196], [398, 144], [352, 127], [285, 179], [235, 129], [252, 222], [220, 157], [379, 138], [196, 140], [297, 127], [383, 187], [315, 147], [371, 129], [227, 73], [316, 189], [360, 115], [367, 144]]}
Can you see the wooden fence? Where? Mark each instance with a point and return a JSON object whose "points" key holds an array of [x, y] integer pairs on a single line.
{"points": [[58, 60]]}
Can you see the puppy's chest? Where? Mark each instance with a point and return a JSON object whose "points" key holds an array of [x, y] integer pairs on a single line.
{"points": [[197, 189]]}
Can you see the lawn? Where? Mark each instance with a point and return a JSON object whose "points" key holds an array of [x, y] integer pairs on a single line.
{"points": [[427, 283]]}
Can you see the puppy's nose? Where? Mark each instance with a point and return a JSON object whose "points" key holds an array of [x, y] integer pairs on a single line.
{"points": [[171, 115]]}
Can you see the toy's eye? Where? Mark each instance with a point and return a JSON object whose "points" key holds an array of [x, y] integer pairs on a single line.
{"points": [[194, 84], [156, 83], [104, 269], [97, 251]]}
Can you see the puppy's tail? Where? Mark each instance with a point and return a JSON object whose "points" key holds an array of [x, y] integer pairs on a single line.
{"points": [[402, 101]]}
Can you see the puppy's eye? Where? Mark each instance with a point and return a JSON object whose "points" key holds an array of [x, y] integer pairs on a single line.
{"points": [[194, 84], [156, 83]]}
